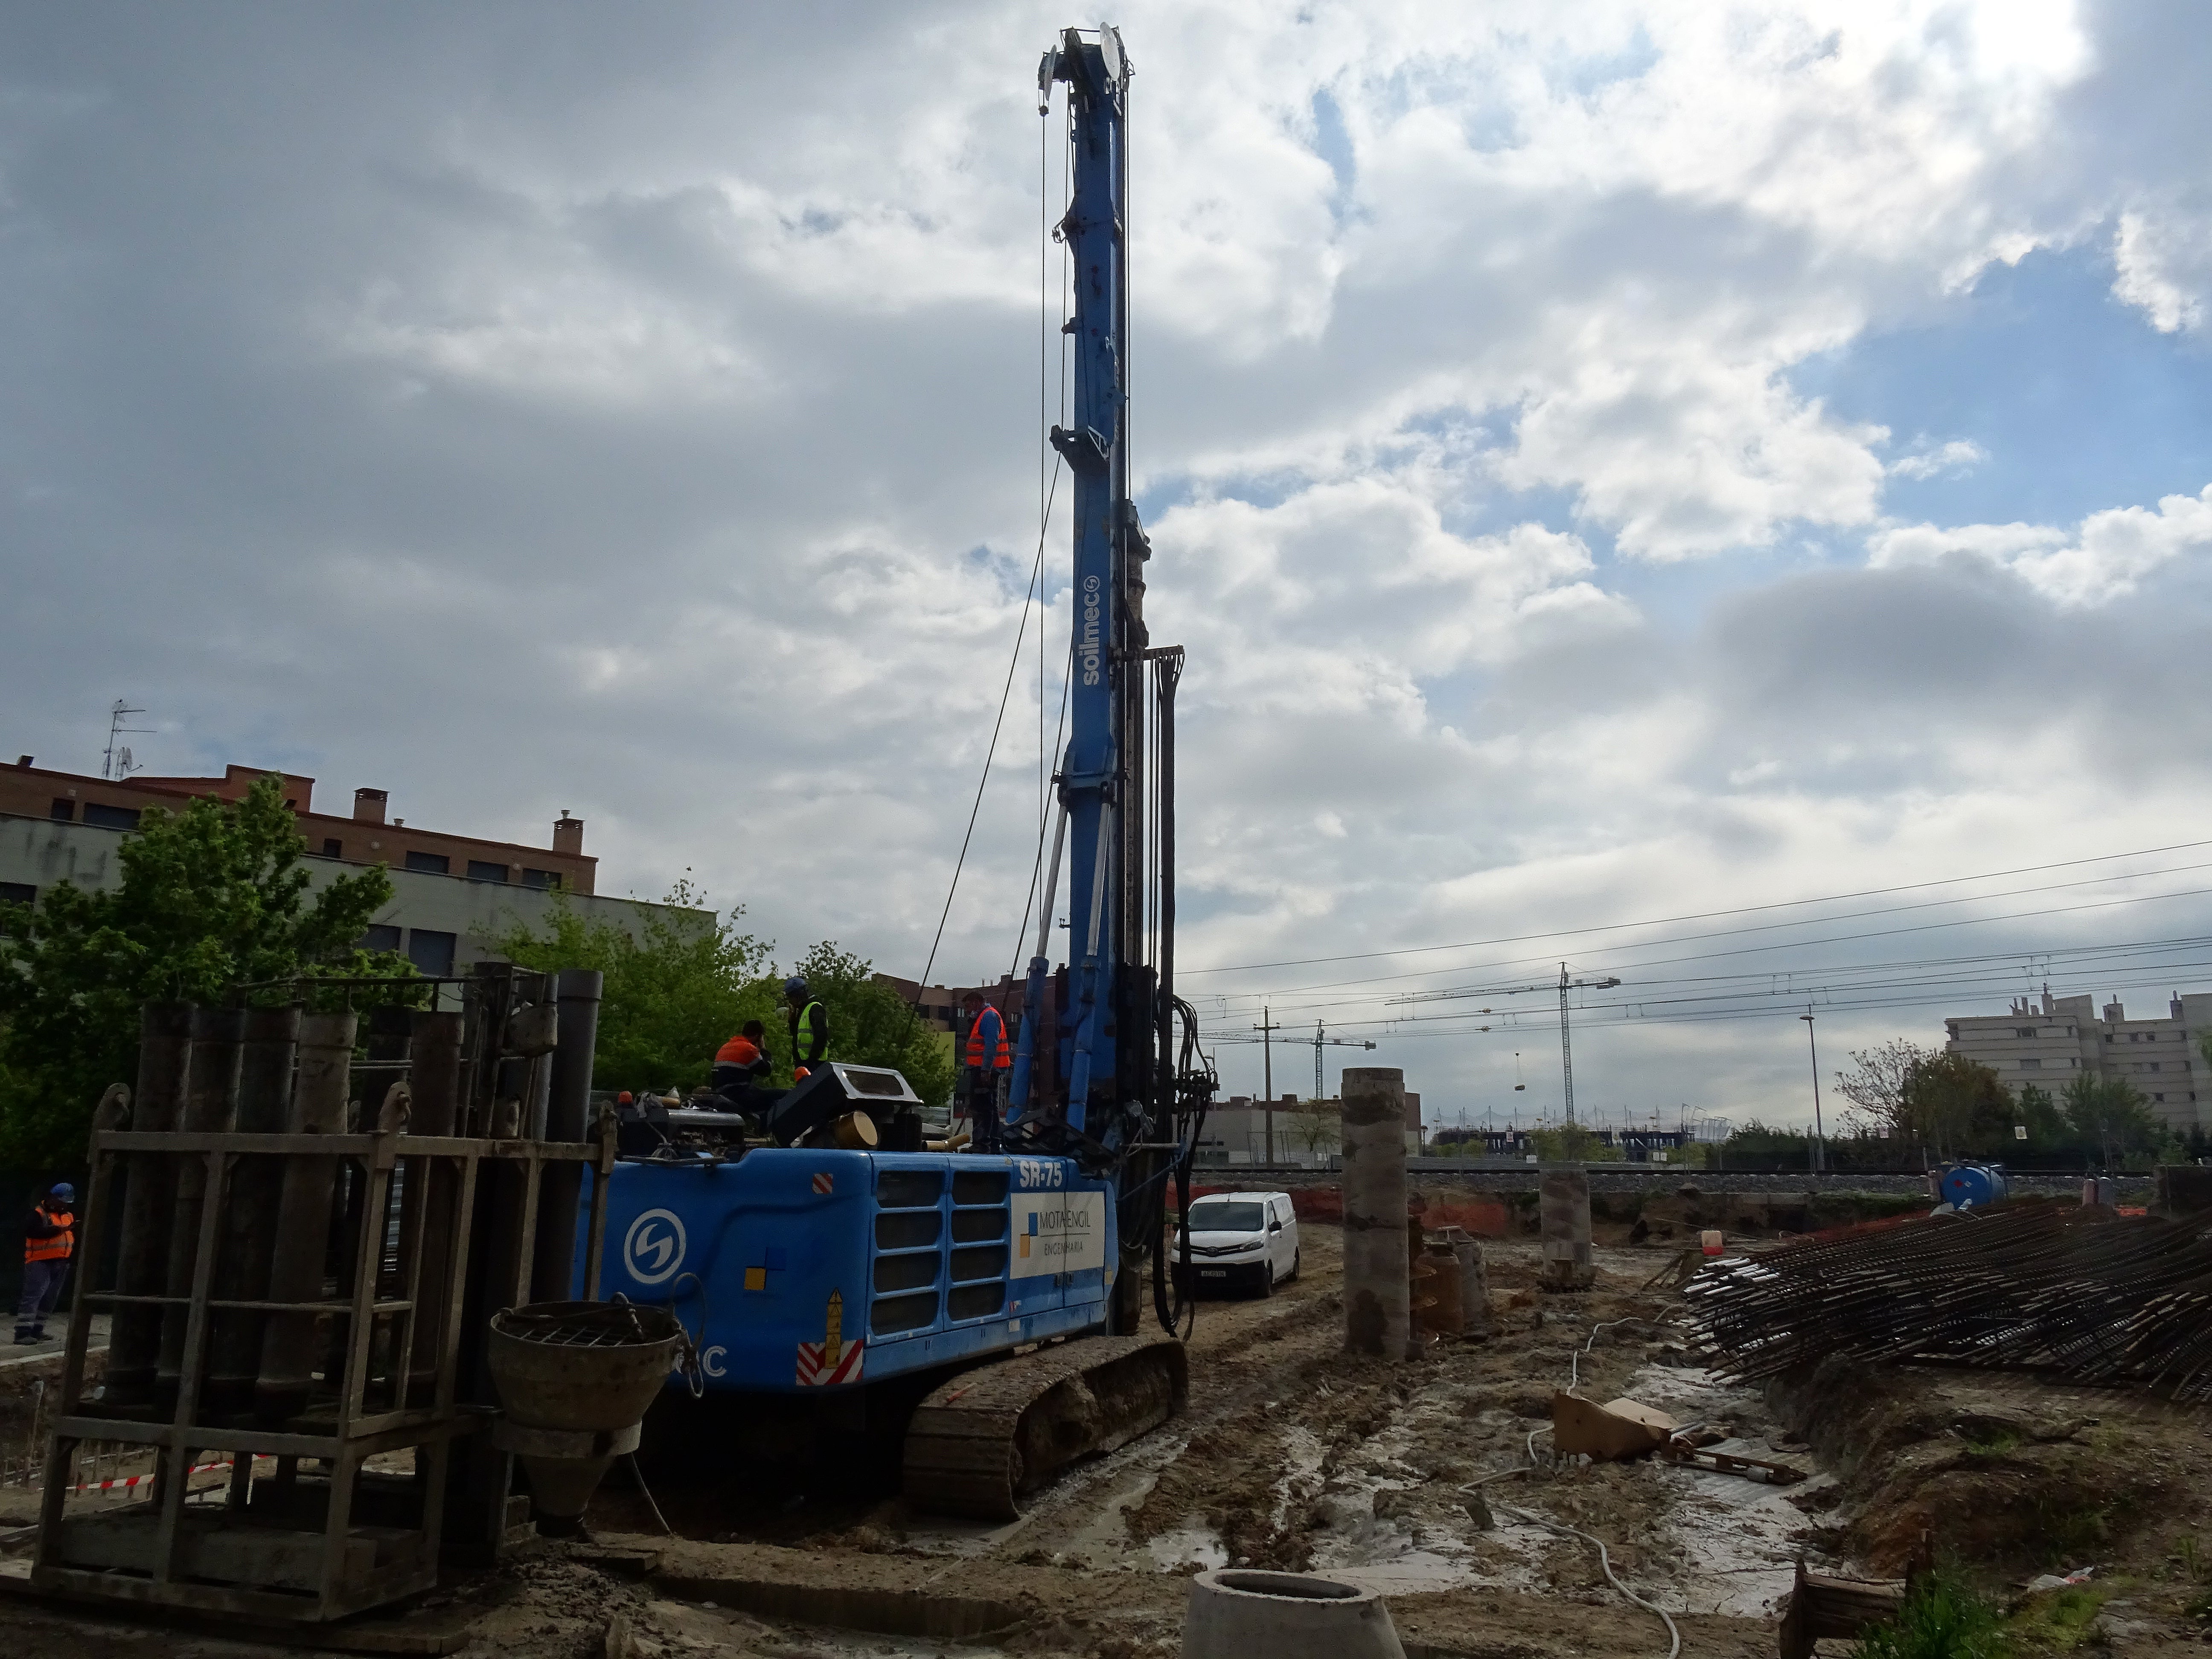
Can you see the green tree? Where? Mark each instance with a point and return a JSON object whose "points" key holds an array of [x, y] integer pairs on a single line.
{"points": [[1317, 1128], [2112, 1120], [675, 992], [1955, 1105], [1875, 1086], [1570, 1143], [212, 897], [2048, 1130], [684, 983], [870, 1024]]}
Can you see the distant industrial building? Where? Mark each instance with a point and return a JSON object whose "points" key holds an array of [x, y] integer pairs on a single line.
{"points": [[2051, 1043], [452, 895], [1306, 1132]]}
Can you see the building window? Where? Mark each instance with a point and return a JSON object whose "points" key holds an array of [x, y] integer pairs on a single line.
{"points": [[2159, 1099], [15, 892], [61, 809], [549, 879], [432, 952], [2156, 1066], [2023, 1031], [2030, 1066], [333, 847], [381, 937], [110, 818], [482, 870], [430, 864]]}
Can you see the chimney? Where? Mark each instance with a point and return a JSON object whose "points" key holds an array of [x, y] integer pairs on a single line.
{"points": [[568, 834], [2114, 1013], [2173, 1009], [369, 806], [2049, 1006]]}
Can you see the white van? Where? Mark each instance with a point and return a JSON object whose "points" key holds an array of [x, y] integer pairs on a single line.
{"points": [[1241, 1242]]}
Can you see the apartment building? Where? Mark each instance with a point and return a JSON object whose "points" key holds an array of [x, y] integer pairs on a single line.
{"points": [[452, 895], [2052, 1041]]}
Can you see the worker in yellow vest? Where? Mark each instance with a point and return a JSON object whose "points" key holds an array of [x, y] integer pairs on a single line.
{"points": [[49, 1241], [810, 1028]]}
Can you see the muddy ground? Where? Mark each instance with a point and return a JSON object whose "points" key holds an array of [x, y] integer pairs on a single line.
{"points": [[1293, 1455]]}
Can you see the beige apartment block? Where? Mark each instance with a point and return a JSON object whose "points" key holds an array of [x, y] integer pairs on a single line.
{"points": [[453, 896], [2050, 1041]]}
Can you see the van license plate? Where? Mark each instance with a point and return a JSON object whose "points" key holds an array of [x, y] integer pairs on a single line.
{"points": [[1214, 1272]]}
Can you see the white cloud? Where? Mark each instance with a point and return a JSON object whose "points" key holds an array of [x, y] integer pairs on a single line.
{"points": [[1958, 455], [2102, 557], [2163, 262], [657, 404]]}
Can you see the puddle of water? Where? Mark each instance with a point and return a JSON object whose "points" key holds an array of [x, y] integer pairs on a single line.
{"points": [[1192, 1542], [1742, 1537]]}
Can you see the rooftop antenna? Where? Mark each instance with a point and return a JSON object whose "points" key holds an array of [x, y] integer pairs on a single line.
{"points": [[119, 713]]}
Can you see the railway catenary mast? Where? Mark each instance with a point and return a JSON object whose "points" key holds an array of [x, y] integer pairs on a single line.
{"points": [[1113, 1090]]}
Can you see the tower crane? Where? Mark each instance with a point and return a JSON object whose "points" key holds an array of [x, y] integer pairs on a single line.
{"points": [[1563, 984]]}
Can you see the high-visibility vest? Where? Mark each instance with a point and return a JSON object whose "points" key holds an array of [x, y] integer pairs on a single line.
{"points": [[57, 1247], [803, 1032], [978, 1042], [739, 1050]]}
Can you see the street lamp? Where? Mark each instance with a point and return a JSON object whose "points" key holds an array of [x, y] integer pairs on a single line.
{"points": [[1820, 1141]]}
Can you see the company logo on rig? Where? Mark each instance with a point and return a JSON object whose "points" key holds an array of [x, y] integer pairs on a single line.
{"points": [[652, 1249], [1087, 644]]}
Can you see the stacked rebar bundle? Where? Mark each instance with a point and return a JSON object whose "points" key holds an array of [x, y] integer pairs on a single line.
{"points": [[2096, 1297]]}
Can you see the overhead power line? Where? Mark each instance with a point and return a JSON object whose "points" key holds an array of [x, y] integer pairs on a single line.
{"points": [[1701, 916]]}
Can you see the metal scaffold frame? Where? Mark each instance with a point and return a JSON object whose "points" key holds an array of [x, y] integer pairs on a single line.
{"points": [[315, 1544]]}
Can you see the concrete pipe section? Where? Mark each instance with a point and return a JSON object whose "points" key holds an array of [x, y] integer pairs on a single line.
{"points": [[1235, 1612]]}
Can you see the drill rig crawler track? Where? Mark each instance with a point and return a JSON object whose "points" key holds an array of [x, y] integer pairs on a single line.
{"points": [[988, 1437]]}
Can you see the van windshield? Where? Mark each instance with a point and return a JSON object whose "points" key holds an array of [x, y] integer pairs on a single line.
{"points": [[1243, 1218]]}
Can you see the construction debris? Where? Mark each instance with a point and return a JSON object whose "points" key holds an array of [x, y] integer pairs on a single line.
{"points": [[1618, 1429], [2098, 1296]]}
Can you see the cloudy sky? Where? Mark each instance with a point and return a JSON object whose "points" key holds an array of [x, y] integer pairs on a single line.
{"points": [[1610, 463]]}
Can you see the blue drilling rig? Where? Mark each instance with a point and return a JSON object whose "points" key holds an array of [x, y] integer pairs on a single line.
{"points": [[835, 1271]]}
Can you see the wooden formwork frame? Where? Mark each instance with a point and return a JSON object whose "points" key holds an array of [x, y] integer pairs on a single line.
{"points": [[355, 1433]]}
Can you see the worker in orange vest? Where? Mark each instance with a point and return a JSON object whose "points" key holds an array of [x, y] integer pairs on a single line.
{"points": [[742, 1065], [990, 1062], [49, 1241]]}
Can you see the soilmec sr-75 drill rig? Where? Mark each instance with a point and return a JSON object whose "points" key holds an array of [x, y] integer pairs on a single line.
{"points": [[939, 1295]]}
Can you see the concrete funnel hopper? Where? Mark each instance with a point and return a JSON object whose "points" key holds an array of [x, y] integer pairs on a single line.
{"points": [[575, 1379], [1235, 1612]]}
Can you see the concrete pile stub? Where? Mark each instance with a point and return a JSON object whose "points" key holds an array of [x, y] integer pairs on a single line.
{"points": [[1474, 1281], [1376, 1294], [1565, 1220]]}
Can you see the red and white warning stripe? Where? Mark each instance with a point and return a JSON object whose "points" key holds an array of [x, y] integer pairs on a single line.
{"points": [[824, 1181], [813, 1373], [125, 1483]]}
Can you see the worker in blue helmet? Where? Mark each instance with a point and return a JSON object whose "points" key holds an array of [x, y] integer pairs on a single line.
{"points": [[49, 1242], [809, 1027]]}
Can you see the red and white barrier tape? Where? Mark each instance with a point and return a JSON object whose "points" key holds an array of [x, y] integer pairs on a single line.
{"points": [[125, 1483]]}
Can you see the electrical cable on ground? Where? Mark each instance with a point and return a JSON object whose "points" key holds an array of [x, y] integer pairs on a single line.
{"points": [[1575, 1359], [1605, 1561], [638, 1475]]}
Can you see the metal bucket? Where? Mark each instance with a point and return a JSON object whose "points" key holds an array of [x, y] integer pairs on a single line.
{"points": [[575, 1379]]}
